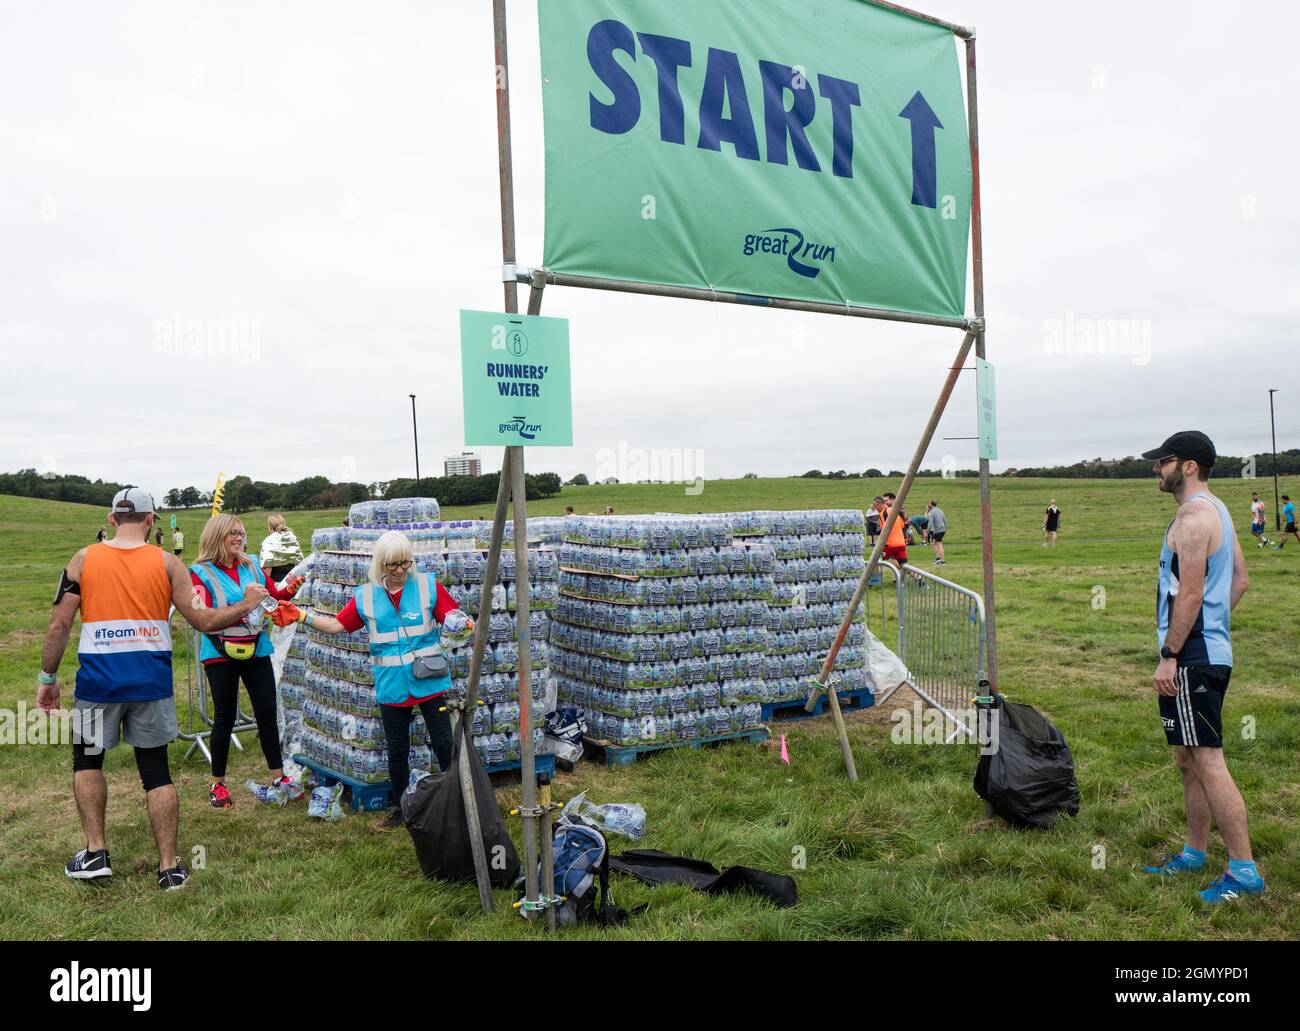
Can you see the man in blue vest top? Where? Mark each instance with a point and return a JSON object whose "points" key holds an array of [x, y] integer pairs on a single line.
{"points": [[1202, 577]]}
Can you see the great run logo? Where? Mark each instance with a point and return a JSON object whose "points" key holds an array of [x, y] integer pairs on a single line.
{"points": [[120, 984], [527, 430], [790, 244]]}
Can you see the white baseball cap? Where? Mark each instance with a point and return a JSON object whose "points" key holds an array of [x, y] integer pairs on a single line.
{"points": [[132, 499]]}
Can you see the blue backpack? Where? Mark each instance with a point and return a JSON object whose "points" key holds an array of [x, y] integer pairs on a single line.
{"points": [[581, 862]]}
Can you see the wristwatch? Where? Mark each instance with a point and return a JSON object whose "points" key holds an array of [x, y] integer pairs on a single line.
{"points": [[48, 679], [1165, 653]]}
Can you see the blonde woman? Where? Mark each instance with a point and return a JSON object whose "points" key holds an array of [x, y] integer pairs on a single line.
{"points": [[402, 609], [280, 548], [221, 575]]}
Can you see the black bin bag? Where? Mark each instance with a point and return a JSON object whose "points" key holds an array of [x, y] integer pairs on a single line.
{"points": [[435, 816], [1029, 780]]}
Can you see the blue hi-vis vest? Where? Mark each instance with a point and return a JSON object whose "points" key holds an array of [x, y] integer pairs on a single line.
{"points": [[225, 591], [394, 649], [1209, 643]]}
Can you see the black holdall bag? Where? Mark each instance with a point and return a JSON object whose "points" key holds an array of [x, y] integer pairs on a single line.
{"points": [[1029, 781], [435, 815]]}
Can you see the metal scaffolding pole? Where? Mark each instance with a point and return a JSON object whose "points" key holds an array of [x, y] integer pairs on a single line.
{"points": [[514, 467], [977, 271], [850, 615]]}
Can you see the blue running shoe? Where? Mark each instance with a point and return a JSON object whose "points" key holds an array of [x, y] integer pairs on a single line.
{"points": [[1227, 889], [1173, 864]]}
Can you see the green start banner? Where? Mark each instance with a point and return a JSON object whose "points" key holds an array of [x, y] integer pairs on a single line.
{"points": [[809, 149], [515, 379]]}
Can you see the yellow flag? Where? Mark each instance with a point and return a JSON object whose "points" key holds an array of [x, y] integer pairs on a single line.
{"points": [[219, 493]]}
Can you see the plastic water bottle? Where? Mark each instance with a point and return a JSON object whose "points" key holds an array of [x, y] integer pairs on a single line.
{"points": [[625, 819], [266, 793]]}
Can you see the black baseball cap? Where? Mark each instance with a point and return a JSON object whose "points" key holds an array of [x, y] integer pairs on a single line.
{"points": [[1189, 445]]}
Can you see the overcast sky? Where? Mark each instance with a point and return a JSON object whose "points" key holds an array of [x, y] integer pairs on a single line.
{"points": [[321, 176]]}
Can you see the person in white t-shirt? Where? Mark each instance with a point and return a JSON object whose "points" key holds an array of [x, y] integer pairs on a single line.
{"points": [[1257, 519]]}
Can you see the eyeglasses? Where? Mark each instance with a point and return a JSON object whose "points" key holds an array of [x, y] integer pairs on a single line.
{"points": [[393, 567], [1160, 462], [237, 533]]}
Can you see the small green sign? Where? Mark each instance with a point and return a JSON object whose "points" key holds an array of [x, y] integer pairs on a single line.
{"points": [[987, 416], [173, 520], [515, 377]]}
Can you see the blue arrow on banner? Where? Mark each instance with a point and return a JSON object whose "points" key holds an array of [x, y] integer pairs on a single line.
{"points": [[923, 121]]}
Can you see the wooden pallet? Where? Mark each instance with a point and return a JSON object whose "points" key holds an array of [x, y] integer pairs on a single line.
{"points": [[793, 709], [625, 755], [366, 797]]}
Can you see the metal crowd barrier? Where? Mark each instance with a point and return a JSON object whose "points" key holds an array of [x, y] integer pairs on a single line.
{"points": [[939, 627], [200, 729]]}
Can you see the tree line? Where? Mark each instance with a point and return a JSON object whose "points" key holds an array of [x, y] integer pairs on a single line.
{"points": [[244, 494], [1257, 466], [1226, 466]]}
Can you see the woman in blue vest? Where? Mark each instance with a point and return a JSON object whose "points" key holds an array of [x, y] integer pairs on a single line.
{"points": [[401, 609], [242, 652]]}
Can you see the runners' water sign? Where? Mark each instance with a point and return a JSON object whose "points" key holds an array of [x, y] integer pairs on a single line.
{"points": [[515, 378], [782, 148]]}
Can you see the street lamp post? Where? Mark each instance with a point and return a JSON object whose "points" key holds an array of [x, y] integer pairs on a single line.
{"points": [[416, 434], [1277, 512]]}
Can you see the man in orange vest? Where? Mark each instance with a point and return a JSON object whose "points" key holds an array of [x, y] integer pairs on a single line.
{"points": [[124, 589], [896, 542]]}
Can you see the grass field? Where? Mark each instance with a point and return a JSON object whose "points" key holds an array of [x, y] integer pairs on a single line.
{"points": [[904, 853]]}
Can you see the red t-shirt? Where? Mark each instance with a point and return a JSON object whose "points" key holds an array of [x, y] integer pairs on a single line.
{"points": [[352, 622]]}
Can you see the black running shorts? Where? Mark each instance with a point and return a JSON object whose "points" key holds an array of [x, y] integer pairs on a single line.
{"points": [[1194, 716]]}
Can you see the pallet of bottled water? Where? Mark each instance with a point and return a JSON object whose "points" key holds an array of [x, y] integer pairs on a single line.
{"points": [[660, 634], [819, 561], [329, 678]]}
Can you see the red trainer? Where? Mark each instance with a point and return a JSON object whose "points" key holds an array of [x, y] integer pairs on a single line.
{"points": [[219, 797]]}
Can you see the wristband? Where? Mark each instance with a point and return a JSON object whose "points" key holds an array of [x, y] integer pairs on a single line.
{"points": [[48, 679], [304, 617]]}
